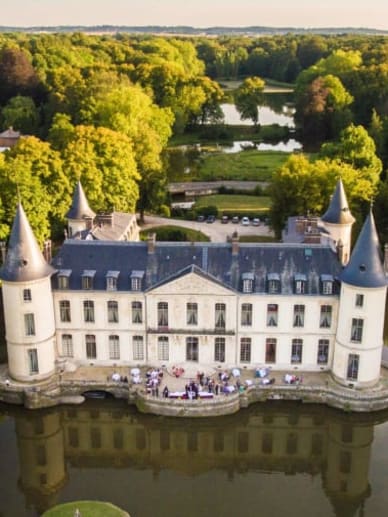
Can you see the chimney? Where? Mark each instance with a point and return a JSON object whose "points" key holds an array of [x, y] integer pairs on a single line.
{"points": [[3, 250], [385, 258], [151, 239], [235, 244], [47, 251]]}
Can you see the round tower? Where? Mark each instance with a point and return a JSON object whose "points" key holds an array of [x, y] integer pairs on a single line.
{"points": [[28, 305], [338, 221], [359, 336], [80, 216]]}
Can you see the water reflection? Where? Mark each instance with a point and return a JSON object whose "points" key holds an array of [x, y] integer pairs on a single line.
{"points": [[111, 452], [267, 116]]}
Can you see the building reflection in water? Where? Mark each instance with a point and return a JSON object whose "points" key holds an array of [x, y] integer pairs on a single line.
{"points": [[274, 438]]}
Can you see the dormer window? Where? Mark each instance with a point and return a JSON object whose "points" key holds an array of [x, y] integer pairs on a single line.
{"points": [[88, 279], [300, 284], [327, 282], [247, 282], [136, 280], [111, 280], [273, 280], [64, 278]]}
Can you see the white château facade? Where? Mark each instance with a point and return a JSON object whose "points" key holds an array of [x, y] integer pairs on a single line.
{"points": [[305, 307]]}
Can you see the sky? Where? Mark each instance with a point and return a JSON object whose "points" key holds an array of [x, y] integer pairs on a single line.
{"points": [[197, 13]]}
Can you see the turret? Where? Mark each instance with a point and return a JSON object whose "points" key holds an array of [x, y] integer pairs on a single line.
{"points": [[338, 221], [359, 337], [80, 216], [28, 305]]}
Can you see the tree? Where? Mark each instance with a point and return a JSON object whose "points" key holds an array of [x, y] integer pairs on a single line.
{"points": [[247, 98], [33, 171], [21, 114], [104, 161], [17, 75]]}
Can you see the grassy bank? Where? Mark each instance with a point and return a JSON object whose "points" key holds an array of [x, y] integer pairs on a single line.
{"points": [[235, 204], [86, 509], [244, 166]]}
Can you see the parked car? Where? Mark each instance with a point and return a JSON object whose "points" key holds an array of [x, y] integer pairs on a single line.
{"points": [[256, 221], [235, 219], [224, 219], [210, 219], [245, 221], [201, 218]]}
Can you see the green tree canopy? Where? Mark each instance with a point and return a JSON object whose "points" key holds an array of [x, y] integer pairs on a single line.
{"points": [[21, 114], [247, 98]]}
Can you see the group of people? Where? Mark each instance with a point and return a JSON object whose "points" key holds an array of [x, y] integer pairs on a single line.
{"points": [[154, 378]]}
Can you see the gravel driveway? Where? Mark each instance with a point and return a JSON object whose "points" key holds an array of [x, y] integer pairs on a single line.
{"points": [[217, 232]]}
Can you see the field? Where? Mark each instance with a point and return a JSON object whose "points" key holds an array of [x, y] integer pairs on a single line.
{"points": [[236, 204], [244, 166]]}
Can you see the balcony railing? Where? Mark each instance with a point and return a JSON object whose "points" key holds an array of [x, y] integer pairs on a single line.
{"points": [[191, 331]]}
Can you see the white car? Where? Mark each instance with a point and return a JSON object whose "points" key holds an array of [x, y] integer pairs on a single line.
{"points": [[245, 221]]}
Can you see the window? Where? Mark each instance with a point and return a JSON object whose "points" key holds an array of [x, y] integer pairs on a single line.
{"points": [[273, 283], [63, 278], [327, 287], [91, 352], [67, 345], [353, 365], [89, 311], [245, 350], [136, 280], [137, 312], [270, 350], [356, 333], [219, 349], [29, 324], [113, 311], [359, 300], [64, 310], [138, 348], [163, 348], [33, 361], [111, 280], [296, 351], [246, 314], [325, 317], [220, 316], [300, 284], [192, 349], [323, 351], [272, 315], [27, 297], [192, 314], [114, 347], [87, 279], [162, 314], [247, 282], [298, 316]]}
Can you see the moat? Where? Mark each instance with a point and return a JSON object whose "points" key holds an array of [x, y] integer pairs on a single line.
{"points": [[273, 459]]}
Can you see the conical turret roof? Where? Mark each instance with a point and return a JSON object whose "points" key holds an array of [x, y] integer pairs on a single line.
{"points": [[365, 268], [80, 207], [338, 211], [24, 260]]}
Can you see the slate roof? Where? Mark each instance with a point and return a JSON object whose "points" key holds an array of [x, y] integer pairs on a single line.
{"points": [[338, 211], [216, 261], [365, 268], [80, 207], [24, 260]]}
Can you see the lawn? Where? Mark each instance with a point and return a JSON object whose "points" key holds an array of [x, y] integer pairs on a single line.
{"points": [[175, 233], [86, 509], [244, 166], [235, 204]]}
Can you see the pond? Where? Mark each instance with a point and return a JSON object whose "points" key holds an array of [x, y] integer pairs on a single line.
{"points": [[271, 459], [267, 116]]}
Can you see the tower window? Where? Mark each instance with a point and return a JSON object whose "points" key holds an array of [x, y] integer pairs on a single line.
{"points": [[353, 365], [29, 324], [359, 300], [356, 332], [27, 297], [33, 360]]}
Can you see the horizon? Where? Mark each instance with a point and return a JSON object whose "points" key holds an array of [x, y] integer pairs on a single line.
{"points": [[302, 14]]}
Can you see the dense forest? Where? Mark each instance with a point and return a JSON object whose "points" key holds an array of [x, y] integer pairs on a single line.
{"points": [[103, 107]]}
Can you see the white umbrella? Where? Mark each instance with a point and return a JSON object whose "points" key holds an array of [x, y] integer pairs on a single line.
{"points": [[236, 372], [135, 371]]}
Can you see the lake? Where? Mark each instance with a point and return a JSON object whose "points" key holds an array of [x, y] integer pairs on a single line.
{"points": [[272, 459]]}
